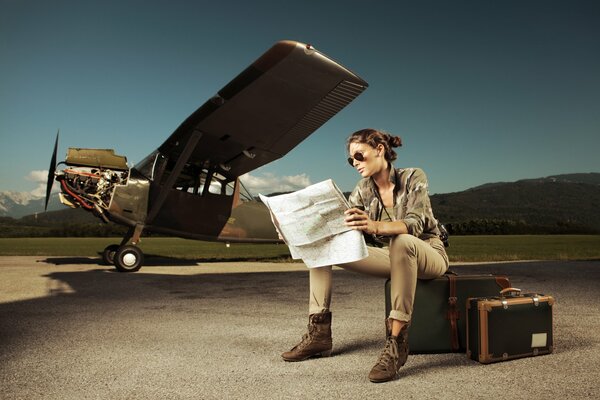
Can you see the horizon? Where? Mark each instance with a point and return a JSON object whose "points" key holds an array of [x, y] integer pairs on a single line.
{"points": [[519, 207], [34, 195], [480, 92]]}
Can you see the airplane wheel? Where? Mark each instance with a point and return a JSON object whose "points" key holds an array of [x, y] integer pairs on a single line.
{"points": [[129, 259], [108, 255]]}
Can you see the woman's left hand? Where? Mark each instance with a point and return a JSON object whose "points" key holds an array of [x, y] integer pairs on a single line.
{"points": [[359, 220]]}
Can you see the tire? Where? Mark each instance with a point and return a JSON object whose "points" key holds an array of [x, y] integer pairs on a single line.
{"points": [[129, 259], [108, 255]]}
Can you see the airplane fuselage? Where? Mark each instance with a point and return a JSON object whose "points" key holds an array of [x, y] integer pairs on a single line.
{"points": [[125, 196]]}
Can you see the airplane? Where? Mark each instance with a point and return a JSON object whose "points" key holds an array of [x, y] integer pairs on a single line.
{"points": [[190, 187]]}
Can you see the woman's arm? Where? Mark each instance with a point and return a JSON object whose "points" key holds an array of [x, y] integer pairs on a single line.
{"points": [[359, 220], [415, 220], [418, 207]]}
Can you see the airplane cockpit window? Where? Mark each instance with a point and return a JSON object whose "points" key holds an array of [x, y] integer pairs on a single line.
{"points": [[147, 166], [200, 180], [219, 185], [203, 181]]}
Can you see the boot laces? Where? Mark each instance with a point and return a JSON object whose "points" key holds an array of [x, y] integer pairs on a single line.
{"points": [[389, 354], [306, 338]]}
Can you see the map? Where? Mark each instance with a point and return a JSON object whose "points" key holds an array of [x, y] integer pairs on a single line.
{"points": [[311, 222]]}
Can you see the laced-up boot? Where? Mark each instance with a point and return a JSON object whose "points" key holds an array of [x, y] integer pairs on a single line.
{"points": [[317, 342], [393, 357]]}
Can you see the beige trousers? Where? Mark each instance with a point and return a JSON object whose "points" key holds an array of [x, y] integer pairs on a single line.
{"points": [[407, 259]]}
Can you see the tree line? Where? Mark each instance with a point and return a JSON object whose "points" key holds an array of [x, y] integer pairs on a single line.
{"points": [[10, 227], [510, 227]]}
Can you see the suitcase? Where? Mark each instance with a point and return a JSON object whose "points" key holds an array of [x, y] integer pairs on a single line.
{"points": [[438, 322], [510, 326]]}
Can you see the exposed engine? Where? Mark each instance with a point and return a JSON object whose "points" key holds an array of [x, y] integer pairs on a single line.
{"points": [[88, 187]]}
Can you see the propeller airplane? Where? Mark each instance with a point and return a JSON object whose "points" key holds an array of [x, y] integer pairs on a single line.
{"points": [[190, 187]]}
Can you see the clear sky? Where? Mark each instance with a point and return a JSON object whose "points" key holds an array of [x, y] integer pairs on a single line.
{"points": [[480, 91]]}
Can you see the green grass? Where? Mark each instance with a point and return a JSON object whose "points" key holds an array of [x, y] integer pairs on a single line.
{"points": [[462, 248], [524, 247]]}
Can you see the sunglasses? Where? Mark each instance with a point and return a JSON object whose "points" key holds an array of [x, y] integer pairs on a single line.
{"points": [[358, 156]]}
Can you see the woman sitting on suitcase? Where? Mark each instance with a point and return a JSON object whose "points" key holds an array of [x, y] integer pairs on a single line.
{"points": [[392, 208]]}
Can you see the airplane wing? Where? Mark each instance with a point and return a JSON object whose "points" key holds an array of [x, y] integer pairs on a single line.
{"points": [[267, 110]]}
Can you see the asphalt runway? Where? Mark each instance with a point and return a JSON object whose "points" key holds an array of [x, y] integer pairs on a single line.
{"points": [[72, 329]]}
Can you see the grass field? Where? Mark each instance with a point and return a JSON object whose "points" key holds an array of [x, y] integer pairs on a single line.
{"points": [[160, 246], [524, 247], [462, 248]]}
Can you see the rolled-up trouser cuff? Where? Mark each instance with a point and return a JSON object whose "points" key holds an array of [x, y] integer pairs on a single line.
{"points": [[399, 315], [316, 310]]}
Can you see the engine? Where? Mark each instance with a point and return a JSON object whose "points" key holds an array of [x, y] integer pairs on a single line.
{"points": [[86, 183]]}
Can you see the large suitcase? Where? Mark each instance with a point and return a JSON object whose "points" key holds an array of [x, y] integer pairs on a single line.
{"points": [[438, 322], [509, 326]]}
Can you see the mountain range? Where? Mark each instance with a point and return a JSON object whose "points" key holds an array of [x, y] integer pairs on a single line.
{"points": [[568, 203], [20, 204]]}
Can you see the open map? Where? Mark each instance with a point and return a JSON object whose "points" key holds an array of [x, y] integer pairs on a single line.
{"points": [[311, 221]]}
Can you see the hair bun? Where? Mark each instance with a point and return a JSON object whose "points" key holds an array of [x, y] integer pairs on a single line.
{"points": [[395, 141]]}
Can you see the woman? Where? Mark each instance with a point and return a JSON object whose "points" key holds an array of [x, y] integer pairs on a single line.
{"points": [[392, 208]]}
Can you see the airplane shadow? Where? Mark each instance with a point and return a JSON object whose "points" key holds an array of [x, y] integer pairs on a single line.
{"points": [[71, 260], [151, 260]]}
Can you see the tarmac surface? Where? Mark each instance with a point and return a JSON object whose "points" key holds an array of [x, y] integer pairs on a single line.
{"points": [[179, 329]]}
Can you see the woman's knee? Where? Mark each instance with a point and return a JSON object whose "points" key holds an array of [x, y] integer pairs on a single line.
{"points": [[404, 244]]}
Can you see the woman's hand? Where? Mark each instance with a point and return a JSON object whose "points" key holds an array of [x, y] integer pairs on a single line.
{"points": [[359, 220]]}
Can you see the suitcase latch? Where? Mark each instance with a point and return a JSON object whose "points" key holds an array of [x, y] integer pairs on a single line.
{"points": [[504, 304]]}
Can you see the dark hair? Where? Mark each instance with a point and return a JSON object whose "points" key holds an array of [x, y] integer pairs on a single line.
{"points": [[373, 138]]}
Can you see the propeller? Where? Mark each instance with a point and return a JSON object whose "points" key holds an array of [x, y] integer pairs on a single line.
{"points": [[51, 171]]}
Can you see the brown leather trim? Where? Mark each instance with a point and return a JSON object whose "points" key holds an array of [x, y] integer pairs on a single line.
{"points": [[453, 314], [502, 281], [484, 353]]}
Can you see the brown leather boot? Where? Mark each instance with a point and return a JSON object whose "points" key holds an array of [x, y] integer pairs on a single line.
{"points": [[393, 357], [317, 342]]}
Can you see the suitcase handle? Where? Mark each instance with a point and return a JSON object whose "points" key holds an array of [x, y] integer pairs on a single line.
{"points": [[515, 291]]}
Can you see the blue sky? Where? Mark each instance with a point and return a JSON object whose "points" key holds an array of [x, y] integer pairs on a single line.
{"points": [[480, 91]]}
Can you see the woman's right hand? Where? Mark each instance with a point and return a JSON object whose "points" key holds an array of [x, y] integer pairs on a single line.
{"points": [[358, 219]]}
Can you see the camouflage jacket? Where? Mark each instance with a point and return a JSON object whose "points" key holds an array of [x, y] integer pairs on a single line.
{"points": [[411, 201]]}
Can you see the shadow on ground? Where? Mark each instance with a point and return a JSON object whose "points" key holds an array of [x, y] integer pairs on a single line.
{"points": [[151, 260], [103, 334]]}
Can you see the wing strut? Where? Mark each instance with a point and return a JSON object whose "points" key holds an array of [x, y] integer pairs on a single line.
{"points": [[181, 161]]}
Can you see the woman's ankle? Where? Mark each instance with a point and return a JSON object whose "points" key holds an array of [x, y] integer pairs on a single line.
{"points": [[397, 326]]}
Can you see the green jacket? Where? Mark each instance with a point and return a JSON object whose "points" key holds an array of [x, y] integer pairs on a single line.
{"points": [[411, 201]]}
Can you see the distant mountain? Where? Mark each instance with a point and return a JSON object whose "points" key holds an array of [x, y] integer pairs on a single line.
{"points": [[20, 204], [65, 222], [592, 178], [561, 203]]}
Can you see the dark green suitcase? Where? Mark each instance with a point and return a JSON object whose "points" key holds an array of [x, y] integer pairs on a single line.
{"points": [[509, 326], [439, 322]]}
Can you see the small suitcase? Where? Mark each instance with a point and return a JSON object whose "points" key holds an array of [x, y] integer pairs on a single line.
{"points": [[509, 326], [438, 322]]}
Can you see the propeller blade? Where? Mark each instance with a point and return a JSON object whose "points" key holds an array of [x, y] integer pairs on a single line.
{"points": [[51, 172]]}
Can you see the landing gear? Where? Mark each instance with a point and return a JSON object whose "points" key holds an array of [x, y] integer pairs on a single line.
{"points": [[128, 258], [108, 255]]}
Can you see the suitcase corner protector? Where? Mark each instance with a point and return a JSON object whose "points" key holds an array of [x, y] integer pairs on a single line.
{"points": [[485, 359]]}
